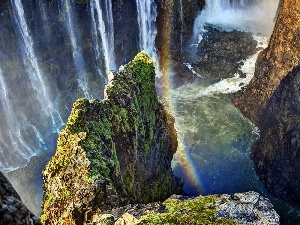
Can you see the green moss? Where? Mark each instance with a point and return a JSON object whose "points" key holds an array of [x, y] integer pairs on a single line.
{"points": [[117, 135], [66, 193], [189, 212]]}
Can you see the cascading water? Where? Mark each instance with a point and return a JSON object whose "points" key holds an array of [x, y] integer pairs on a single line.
{"points": [[77, 56], [16, 137], [237, 14], [31, 63], [147, 13], [103, 24], [31, 97]]}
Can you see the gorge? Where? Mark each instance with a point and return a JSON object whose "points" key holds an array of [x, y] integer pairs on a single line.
{"points": [[54, 52]]}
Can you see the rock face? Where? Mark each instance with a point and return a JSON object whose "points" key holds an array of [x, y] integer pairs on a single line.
{"points": [[272, 102], [276, 154], [12, 210], [220, 52], [241, 208], [125, 22], [273, 63], [112, 152]]}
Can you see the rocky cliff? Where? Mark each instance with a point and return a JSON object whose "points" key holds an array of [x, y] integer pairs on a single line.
{"points": [[112, 152], [273, 63], [277, 152], [12, 210], [272, 102]]}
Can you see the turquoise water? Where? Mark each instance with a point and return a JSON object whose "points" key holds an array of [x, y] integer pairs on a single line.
{"points": [[216, 140]]}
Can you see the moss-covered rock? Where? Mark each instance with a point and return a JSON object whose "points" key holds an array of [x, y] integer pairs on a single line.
{"points": [[240, 208], [112, 152]]}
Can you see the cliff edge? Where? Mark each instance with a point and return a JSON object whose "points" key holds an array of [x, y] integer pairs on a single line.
{"points": [[112, 152]]}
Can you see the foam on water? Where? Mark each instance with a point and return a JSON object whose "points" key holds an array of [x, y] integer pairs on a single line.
{"points": [[241, 15]]}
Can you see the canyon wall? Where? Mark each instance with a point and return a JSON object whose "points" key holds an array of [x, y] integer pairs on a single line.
{"points": [[272, 102], [273, 63]]}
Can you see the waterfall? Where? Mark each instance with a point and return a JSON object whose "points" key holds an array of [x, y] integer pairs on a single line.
{"points": [[12, 138], [147, 13], [237, 14], [77, 56], [182, 25], [26, 106], [102, 24], [31, 63]]}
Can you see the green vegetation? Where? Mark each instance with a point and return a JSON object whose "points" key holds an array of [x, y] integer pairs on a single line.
{"points": [[190, 212], [114, 141]]}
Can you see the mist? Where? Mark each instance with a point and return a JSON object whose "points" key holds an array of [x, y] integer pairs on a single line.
{"points": [[258, 17]]}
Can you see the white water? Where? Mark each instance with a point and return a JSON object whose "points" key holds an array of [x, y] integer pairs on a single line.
{"points": [[31, 63], [225, 86], [20, 138], [103, 25], [240, 15], [77, 56], [147, 13], [12, 138]]}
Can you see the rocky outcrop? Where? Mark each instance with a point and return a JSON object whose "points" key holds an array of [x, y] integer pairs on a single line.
{"points": [[272, 102], [276, 154], [273, 63], [112, 152], [220, 53], [241, 208], [12, 210]]}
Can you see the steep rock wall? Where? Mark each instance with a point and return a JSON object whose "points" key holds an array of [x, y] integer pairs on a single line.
{"points": [[272, 102], [273, 63], [112, 152], [276, 154]]}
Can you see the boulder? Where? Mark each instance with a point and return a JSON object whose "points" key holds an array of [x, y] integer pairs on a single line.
{"points": [[112, 152]]}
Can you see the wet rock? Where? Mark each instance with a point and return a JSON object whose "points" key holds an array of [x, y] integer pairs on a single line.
{"points": [[272, 102], [220, 52], [12, 210], [112, 152], [174, 28]]}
